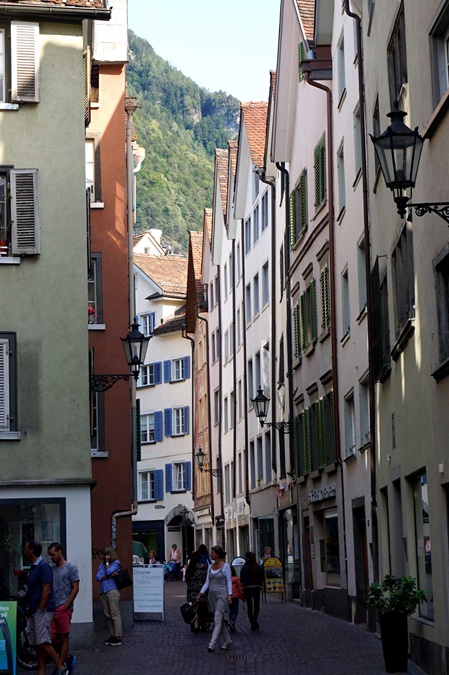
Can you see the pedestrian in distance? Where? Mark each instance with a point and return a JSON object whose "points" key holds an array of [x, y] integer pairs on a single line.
{"points": [[251, 576], [41, 607], [219, 586], [175, 557], [110, 595], [237, 595], [205, 557], [266, 554], [66, 586]]}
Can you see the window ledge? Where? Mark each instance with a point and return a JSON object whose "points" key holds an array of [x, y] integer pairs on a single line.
{"points": [[97, 205], [442, 371], [364, 448], [314, 475], [99, 454], [310, 349], [94, 105], [96, 326], [9, 106], [331, 468], [362, 315], [345, 338], [404, 336], [341, 99], [148, 442], [147, 501], [325, 333], [350, 458], [437, 116], [178, 492], [10, 435], [357, 178], [341, 215], [9, 260]]}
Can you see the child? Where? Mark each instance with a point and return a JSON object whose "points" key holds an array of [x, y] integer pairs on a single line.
{"points": [[237, 594]]}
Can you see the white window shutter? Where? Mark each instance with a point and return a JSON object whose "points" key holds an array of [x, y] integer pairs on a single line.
{"points": [[25, 212], [4, 384], [24, 62]]}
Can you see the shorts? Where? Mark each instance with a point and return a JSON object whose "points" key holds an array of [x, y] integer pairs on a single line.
{"points": [[39, 625], [61, 620]]}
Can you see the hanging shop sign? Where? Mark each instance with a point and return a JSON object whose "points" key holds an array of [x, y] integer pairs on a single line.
{"points": [[273, 570], [322, 494]]}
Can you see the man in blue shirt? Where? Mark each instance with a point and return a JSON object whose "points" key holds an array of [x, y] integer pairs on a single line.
{"points": [[41, 607]]}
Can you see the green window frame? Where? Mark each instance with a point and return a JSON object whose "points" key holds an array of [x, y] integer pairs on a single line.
{"points": [[320, 174], [302, 55]]}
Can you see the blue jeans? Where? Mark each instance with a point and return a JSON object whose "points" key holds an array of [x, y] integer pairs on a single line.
{"points": [[234, 609]]}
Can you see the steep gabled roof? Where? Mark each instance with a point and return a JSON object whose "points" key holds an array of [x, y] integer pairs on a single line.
{"points": [[196, 247], [207, 223], [255, 119], [306, 9], [221, 163], [233, 149], [169, 272], [61, 6]]}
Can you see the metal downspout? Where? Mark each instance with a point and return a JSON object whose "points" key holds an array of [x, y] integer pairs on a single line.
{"points": [[366, 232], [209, 416], [192, 342], [245, 374], [330, 189]]}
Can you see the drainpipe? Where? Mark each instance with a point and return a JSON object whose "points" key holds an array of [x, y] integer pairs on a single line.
{"points": [[209, 417], [330, 189], [130, 107], [366, 232], [234, 404], [220, 419]]}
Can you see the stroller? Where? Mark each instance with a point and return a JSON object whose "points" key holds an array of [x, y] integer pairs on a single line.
{"points": [[172, 574]]}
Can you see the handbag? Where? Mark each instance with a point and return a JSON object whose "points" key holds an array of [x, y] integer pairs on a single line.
{"points": [[189, 611], [122, 579]]}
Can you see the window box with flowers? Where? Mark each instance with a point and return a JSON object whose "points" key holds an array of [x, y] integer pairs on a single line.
{"points": [[92, 315]]}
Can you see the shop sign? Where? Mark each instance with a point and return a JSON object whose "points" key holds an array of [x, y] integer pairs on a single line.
{"points": [[274, 575], [173, 529], [322, 494], [159, 506], [8, 613]]}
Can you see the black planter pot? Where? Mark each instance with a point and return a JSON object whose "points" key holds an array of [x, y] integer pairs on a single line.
{"points": [[394, 635]]}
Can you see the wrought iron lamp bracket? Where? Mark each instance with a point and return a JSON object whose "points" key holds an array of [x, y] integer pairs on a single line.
{"points": [[100, 383], [440, 208], [283, 427]]}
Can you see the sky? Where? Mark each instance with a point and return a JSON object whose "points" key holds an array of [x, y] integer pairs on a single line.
{"points": [[229, 46]]}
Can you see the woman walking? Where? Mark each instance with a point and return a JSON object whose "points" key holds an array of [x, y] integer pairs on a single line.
{"points": [[251, 576], [110, 595], [218, 583], [196, 574]]}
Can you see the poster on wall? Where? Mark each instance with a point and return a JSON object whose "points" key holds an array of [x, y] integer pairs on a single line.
{"points": [[8, 613], [273, 570]]}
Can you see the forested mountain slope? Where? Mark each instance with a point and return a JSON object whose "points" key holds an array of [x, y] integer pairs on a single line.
{"points": [[179, 124]]}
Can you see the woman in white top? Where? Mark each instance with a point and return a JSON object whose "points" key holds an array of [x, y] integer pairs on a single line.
{"points": [[219, 585], [175, 557]]}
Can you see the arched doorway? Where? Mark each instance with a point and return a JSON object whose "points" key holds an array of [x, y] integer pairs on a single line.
{"points": [[179, 524]]}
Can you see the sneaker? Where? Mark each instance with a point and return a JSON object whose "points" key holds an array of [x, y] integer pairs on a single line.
{"points": [[71, 662], [115, 641], [109, 640], [226, 645], [211, 648]]}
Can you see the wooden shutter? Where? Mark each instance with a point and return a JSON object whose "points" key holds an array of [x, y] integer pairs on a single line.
{"points": [[168, 415], [4, 384], [297, 329], [24, 62], [307, 460], [25, 232], [157, 372], [292, 219], [320, 174], [303, 305], [186, 367], [301, 57], [158, 425], [313, 312], [168, 477], [325, 301], [188, 475], [303, 197], [376, 319], [86, 77], [186, 420], [159, 484], [167, 371]]}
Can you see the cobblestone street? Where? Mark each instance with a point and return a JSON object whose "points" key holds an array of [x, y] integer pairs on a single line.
{"points": [[291, 639]]}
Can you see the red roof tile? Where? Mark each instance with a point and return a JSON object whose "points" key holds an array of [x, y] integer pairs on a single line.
{"points": [[167, 271], [233, 149], [306, 10], [36, 4], [207, 223], [255, 119], [221, 164]]}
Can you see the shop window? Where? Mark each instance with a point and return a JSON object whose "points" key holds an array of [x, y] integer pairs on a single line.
{"points": [[330, 549], [423, 544], [20, 521]]}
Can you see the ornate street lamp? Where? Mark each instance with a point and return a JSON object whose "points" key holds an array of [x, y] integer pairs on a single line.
{"points": [[398, 150], [135, 345], [260, 405], [200, 457]]}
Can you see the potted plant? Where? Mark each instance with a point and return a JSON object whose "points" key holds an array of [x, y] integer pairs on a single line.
{"points": [[394, 599]]}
